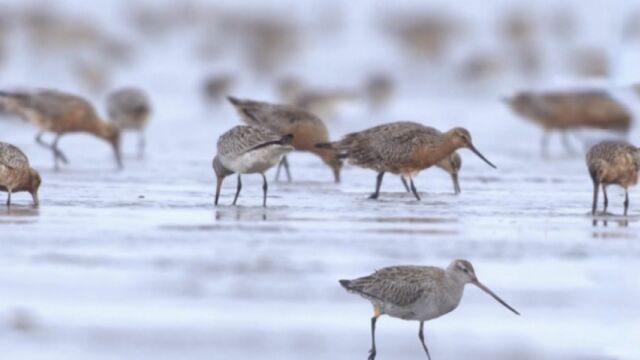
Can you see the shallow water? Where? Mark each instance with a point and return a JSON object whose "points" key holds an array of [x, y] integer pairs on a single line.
{"points": [[139, 264]]}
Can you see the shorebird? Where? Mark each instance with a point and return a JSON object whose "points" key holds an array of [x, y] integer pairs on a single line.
{"points": [[419, 293], [129, 109], [61, 113], [402, 148], [612, 163], [16, 173], [571, 110], [306, 128], [248, 150]]}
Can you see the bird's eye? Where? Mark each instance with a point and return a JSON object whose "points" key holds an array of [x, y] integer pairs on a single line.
{"points": [[465, 270]]}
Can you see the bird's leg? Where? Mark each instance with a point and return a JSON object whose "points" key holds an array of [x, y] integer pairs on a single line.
{"points": [[606, 199], [57, 151], [286, 167], [594, 206], [238, 190], [372, 352], [421, 337], [544, 144], [142, 144], [264, 190], [413, 189], [626, 201], [567, 145], [378, 183], [8, 197], [280, 164], [404, 182]]}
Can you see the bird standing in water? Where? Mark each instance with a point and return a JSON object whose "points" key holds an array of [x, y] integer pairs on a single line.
{"points": [[419, 293]]}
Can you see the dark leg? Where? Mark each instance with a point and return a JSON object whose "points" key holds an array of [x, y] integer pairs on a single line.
{"points": [[413, 189], [264, 190], [286, 168], [238, 190], [372, 352], [606, 199], [594, 206], [404, 182], [9, 197], [626, 201], [421, 337], [280, 164], [378, 183]]}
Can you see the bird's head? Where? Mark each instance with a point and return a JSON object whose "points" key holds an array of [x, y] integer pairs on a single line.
{"points": [[461, 138], [464, 272]]}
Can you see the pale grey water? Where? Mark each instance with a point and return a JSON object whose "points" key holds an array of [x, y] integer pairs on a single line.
{"points": [[139, 264]]}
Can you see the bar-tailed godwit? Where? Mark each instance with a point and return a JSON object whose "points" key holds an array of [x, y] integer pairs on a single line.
{"points": [[306, 128], [402, 148], [129, 109], [419, 293], [248, 150], [612, 163], [571, 110], [61, 113], [16, 174]]}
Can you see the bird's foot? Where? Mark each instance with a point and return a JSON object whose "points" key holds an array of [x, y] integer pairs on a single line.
{"points": [[372, 354], [373, 196]]}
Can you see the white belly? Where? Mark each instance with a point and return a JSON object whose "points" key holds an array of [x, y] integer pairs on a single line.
{"points": [[257, 161]]}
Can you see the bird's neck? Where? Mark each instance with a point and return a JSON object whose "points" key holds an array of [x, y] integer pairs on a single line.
{"points": [[99, 128]]}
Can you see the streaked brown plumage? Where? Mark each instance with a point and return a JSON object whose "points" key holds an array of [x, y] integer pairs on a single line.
{"points": [[571, 110], [419, 293], [306, 128], [402, 148], [248, 150], [16, 174], [129, 108], [61, 113], [613, 163]]}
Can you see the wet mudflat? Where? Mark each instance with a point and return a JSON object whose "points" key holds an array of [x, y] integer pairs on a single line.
{"points": [[139, 264]]}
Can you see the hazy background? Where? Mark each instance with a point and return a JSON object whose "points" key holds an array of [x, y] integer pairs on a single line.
{"points": [[138, 264]]}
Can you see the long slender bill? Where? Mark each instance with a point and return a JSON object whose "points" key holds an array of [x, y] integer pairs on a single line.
{"points": [[486, 289], [475, 151]]}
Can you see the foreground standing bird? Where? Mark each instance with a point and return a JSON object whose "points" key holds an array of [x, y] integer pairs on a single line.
{"points": [[571, 110], [306, 128], [61, 113], [16, 174], [613, 163], [248, 150], [129, 109], [419, 293], [403, 148]]}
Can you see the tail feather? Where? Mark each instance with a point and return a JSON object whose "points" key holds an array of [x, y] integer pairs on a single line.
{"points": [[285, 140], [346, 284], [234, 101]]}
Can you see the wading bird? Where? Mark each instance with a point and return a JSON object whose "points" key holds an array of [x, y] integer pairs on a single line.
{"points": [[248, 150], [16, 174], [61, 113], [419, 293]]}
